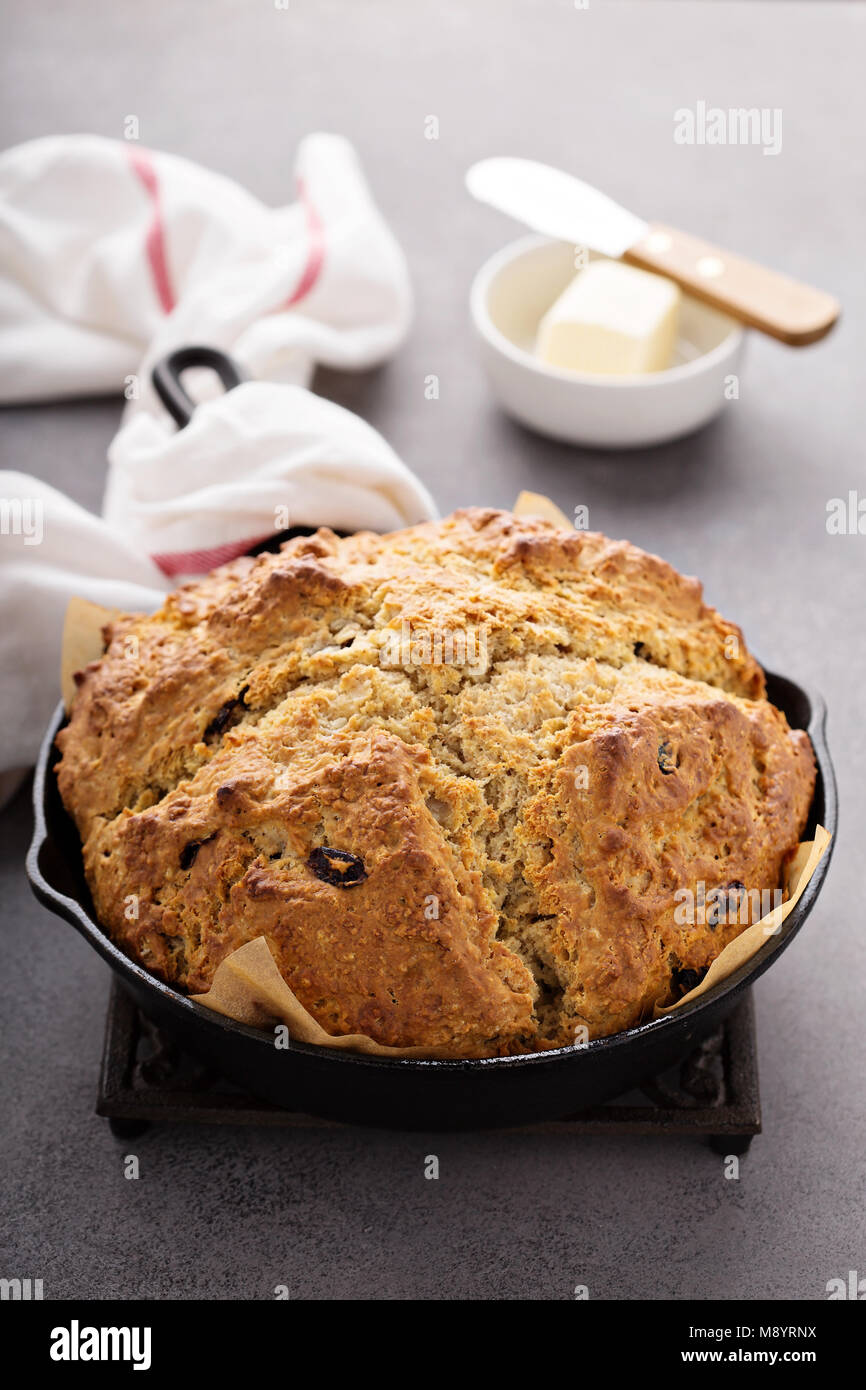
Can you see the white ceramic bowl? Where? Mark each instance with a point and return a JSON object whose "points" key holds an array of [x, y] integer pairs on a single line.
{"points": [[517, 286]]}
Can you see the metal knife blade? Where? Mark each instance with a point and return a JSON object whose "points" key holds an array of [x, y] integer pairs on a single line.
{"points": [[555, 203]]}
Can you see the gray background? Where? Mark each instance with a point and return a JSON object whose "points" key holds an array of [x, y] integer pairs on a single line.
{"points": [[235, 85]]}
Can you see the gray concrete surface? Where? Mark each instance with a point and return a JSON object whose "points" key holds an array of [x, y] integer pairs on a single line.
{"points": [[349, 1214]]}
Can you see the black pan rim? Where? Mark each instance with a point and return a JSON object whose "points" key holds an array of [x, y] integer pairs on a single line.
{"points": [[74, 912]]}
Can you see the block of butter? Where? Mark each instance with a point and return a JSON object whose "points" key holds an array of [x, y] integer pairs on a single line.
{"points": [[612, 319]]}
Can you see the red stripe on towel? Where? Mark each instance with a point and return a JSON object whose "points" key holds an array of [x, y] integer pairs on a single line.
{"points": [[316, 253], [203, 561], [145, 169]]}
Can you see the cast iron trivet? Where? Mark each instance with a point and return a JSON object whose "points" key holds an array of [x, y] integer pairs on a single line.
{"points": [[146, 1079]]}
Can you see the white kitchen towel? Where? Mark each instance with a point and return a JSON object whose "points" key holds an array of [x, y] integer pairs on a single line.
{"points": [[111, 255], [51, 551], [110, 258], [258, 460]]}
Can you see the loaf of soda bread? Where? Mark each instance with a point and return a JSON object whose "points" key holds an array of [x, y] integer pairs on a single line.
{"points": [[462, 777]]}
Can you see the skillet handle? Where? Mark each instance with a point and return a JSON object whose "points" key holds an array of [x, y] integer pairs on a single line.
{"points": [[166, 378]]}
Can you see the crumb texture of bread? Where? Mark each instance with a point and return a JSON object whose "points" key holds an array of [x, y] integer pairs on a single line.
{"points": [[469, 780]]}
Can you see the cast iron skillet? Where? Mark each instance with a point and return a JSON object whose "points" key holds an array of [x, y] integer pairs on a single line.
{"points": [[411, 1093]]}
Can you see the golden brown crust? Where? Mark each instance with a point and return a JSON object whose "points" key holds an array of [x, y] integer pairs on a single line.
{"points": [[525, 810]]}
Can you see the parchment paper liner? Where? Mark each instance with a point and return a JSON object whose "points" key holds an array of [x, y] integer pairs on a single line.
{"points": [[249, 988], [82, 641], [536, 504], [247, 985]]}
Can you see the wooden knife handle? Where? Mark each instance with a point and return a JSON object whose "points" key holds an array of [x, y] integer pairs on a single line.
{"points": [[794, 313]]}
